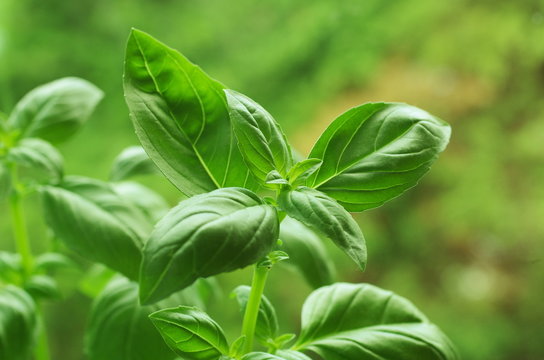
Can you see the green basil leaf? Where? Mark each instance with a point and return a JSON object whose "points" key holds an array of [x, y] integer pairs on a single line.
{"points": [[38, 160], [281, 355], [181, 118], [260, 138], [42, 287], [208, 234], [132, 161], [94, 221], [306, 252], [11, 269], [325, 215], [267, 321], [53, 261], [119, 328], [360, 321], [152, 205], [5, 182], [375, 152], [56, 110], [18, 324], [190, 333], [302, 170]]}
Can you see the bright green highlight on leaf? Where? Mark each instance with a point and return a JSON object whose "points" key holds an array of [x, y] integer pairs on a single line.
{"points": [[190, 333]]}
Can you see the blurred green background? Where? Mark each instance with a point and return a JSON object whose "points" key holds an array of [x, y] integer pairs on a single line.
{"points": [[466, 245]]}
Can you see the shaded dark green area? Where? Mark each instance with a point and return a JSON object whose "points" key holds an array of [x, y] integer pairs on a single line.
{"points": [[465, 245]]}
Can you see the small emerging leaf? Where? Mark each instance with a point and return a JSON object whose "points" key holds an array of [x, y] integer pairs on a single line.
{"points": [[267, 321], [56, 110], [208, 234], [260, 139], [190, 333], [42, 287], [281, 355], [302, 170], [132, 161], [325, 215]]}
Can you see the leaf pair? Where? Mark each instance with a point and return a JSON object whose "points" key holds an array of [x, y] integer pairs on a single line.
{"points": [[339, 322]]}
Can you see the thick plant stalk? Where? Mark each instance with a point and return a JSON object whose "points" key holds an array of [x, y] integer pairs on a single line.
{"points": [[41, 351], [252, 309]]}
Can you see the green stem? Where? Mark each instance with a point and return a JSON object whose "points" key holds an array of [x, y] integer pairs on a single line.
{"points": [[41, 351], [252, 309], [19, 226]]}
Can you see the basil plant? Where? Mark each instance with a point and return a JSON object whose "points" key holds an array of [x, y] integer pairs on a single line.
{"points": [[248, 201]]}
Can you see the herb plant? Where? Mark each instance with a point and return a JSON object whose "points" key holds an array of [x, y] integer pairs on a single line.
{"points": [[249, 202]]}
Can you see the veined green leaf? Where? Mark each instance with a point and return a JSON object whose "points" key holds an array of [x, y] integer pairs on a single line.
{"points": [[302, 170], [132, 161], [191, 333], [56, 110], [260, 139], [306, 252], [98, 224], [18, 324], [208, 234], [148, 201], [360, 321], [267, 321], [375, 152], [320, 212], [181, 118], [39, 160], [119, 328]]}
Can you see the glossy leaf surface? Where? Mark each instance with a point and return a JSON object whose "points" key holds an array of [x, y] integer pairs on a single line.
{"points": [[56, 110], [119, 328], [18, 324], [306, 252], [132, 161], [39, 160], [375, 152], [260, 138], [208, 234], [190, 333], [320, 212], [98, 224], [181, 118], [360, 321], [267, 321]]}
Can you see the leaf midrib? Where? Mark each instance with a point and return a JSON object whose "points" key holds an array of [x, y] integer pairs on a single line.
{"points": [[197, 153]]}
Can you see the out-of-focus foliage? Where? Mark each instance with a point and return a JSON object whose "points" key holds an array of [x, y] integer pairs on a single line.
{"points": [[465, 246]]}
